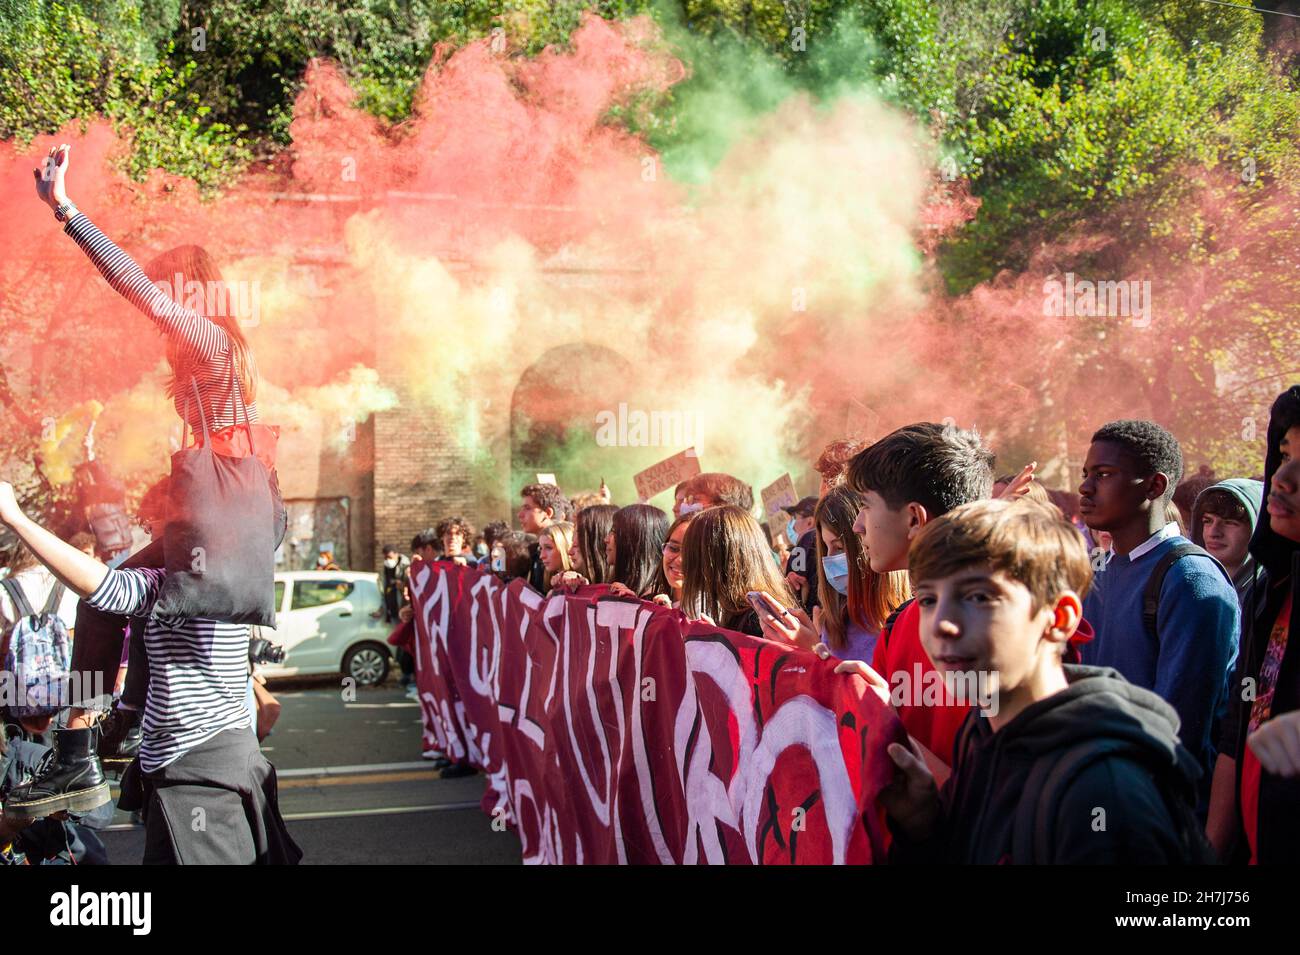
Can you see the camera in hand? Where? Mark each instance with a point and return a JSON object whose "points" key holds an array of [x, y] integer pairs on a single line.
{"points": [[264, 651]]}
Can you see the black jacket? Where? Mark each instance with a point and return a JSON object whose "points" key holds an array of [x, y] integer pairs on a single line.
{"points": [[804, 554], [1125, 793], [536, 569], [1278, 833]]}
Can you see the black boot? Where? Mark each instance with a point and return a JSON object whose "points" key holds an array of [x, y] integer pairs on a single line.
{"points": [[69, 778], [119, 737]]}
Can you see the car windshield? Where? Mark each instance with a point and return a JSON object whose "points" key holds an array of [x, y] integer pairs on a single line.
{"points": [[317, 593]]}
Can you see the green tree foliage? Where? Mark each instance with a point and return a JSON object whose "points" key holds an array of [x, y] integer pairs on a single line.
{"points": [[1162, 131], [62, 62]]}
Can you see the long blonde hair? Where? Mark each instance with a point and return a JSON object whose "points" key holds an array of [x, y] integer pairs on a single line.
{"points": [[561, 535], [192, 263]]}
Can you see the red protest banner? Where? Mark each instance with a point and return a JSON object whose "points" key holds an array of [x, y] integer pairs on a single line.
{"points": [[615, 731]]}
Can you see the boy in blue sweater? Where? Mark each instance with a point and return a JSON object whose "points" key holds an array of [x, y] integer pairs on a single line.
{"points": [[1129, 477]]}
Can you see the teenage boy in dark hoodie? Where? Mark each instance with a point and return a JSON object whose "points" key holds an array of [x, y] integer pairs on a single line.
{"points": [[1061, 764], [1129, 477], [1255, 803]]}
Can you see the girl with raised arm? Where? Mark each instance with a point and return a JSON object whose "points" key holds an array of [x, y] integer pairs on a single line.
{"points": [[192, 699]]}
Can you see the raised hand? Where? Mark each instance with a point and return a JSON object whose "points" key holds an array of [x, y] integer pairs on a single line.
{"points": [[1020, 484], [51, 176], [10, 512]]}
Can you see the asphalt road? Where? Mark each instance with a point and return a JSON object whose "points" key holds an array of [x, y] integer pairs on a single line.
{"points": [[354, 790]]}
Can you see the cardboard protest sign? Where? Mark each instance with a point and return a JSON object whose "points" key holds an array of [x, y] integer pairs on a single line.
{"points": [[861, 421], [666, 474], [779, 495]]}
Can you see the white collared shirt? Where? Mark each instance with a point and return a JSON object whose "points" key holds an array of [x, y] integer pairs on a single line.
{"points": [[1166, 532]]}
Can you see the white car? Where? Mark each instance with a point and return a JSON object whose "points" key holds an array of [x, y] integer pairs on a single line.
{"points": [[326, 622]]}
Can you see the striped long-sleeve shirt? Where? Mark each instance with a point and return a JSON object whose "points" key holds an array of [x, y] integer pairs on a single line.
{"points": [[202, 346], [198, 669]]}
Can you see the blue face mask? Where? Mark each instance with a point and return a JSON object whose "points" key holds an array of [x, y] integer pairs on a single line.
{"points": [[790, 534], [836, 571]]}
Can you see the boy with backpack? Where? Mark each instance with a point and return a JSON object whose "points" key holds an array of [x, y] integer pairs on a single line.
{"points": [[1061, 764], [1165, 611]]}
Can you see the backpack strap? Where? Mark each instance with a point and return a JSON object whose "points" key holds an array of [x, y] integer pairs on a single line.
{"points": [[1151, 592], [888, 629], [15, 591], [56, 598], [1032, 838]]}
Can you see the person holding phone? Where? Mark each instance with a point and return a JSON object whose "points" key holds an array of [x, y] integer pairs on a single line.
{"points": [[725, 558], [213, 385]]}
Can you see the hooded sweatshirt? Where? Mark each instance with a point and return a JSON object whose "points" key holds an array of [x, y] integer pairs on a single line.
{"points": [[1275, 819], [1118, 807], [1251, 496]]}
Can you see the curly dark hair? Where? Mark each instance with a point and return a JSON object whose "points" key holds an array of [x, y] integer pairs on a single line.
{"points": [[1153, 449], [450, 524], [548, 497], [518, 549], [835, 458], [1190, 488], [426, 538], [153, 505], [494, 531], [722, 489]]}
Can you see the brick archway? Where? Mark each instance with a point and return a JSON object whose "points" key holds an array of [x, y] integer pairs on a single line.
{"points": [[553, 414]]}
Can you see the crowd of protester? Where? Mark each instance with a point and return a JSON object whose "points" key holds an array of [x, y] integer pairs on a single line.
{"points": [[1135, 628], [1141, 645], [1143, 642]]}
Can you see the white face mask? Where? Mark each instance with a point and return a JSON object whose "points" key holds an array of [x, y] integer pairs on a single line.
{"points": [[390, 562]]}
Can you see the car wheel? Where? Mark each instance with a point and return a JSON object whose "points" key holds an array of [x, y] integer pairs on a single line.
{"points": [[367, 664]]}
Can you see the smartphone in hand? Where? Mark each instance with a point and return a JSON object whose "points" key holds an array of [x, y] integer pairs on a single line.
{"points": [[759, 601]]}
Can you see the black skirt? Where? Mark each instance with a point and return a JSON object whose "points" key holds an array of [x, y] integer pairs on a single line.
{"points": [[216, 805]]}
